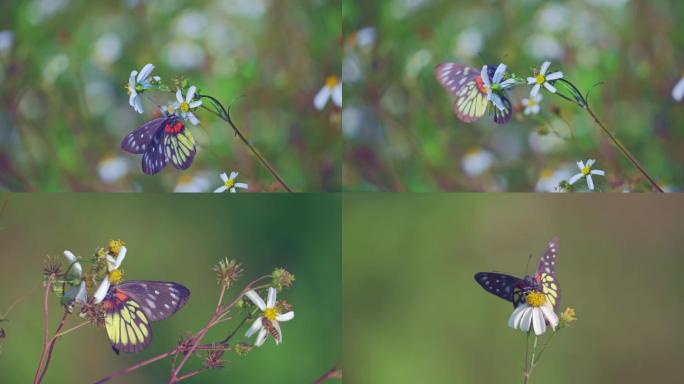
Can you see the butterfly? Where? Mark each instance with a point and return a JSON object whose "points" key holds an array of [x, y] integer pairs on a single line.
{"points": [[161, 140], [466, 84], [515, 290], [130, 307]]}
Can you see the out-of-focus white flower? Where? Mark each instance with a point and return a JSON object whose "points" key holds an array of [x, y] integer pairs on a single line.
{"points": [[112, 169], [76, 270], [549, 180], [58, 64], [531, 104], [476, 161], [77, 293], [331, 89], [493, 85], [268, 322], [586, 172], [363, 38], [543, 79], [544, 46], [678, 90], [107, 48], [187, 105], [6, 42], [137, 84], [534, 313], [229, 183], [469, 42], [192, 183]]}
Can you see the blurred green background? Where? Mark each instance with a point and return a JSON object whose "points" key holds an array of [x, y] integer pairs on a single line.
{"points": [[413, 312], [177, 238], [64, 110], [399, 130]]}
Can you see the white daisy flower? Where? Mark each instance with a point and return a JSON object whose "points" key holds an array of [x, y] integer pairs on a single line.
{"points": [[229, 183], [331, 89], [543, 79], [477, 161], [491, 86], [187, 105], [112, 267], [586, 171], [77, 293], [678, 90], [534, 313], [76, 269], [111, 169], [137, 84], [549, 180], [270, 318], [532, 104]]}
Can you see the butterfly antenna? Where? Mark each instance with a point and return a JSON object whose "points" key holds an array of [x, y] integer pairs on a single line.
{"points": [[527, 267]]}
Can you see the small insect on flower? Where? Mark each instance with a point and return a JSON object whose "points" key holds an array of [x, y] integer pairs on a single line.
{"points": [[331, 90], [268, 322], [532, 104], [516, 290], [476, 91], [586, 172], [678, 90], [229, 183], [137, 84], [542, 78], [161, 140]]}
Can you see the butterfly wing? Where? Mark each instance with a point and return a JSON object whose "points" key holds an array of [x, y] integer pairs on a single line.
{"points": [[507, 287], [127, 325], [546, 273], [502, 117], [158, 299], [153, 159], [461, 81], [180, 147], [137, 141]]}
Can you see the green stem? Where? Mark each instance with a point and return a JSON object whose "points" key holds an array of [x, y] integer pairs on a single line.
{"points": [[225, 115]]}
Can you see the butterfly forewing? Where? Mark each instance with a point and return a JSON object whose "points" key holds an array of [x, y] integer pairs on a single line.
{"points": [[507, 287], [159, 299], [460, 81], [546, 273], [137, 141], [153, 159]]}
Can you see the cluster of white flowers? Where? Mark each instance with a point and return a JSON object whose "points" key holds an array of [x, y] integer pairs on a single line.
{"points": [[79, 293]]}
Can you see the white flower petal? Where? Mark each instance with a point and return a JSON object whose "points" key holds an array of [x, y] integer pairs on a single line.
{"points": [[263, 333], [549, 87], [590, 163], [82, 295], [76, 267], [138, 104], [580, 165], [131, 80], [322, 97], [102, 290], [545, 67], [498, 74], [179, 96], [678, 90], [484, 74], [270, 302], [590, 182], [538, 322], [554, 76], [597, 172], [531, 80], [256, 325], [234, 174], [526, 320], [113, 264], [514, 320], [224, 177], [256, 299], [507, 83], [283, 317], [233, 190], [195, 104], [574, 178], [535, 90], [497, 101], [241, 185], [144, 72], [337, 95], [191, 94], [193, 119], [220, 189], [550, 315]]}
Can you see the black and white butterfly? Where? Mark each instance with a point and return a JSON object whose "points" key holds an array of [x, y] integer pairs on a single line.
{"points": [[515, 289]]}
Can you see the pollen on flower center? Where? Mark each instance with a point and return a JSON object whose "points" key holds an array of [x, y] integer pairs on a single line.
{"points": [[115, 246], [586, 170], [541, 79], [116, 276], [230, 183], [535, 299], [270, 313], [331, 81], [184, 106]]}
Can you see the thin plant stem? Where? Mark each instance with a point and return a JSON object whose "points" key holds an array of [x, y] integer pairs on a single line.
{"points": [[333, 373], [527, 352], [542, 349], [224, 114], [14, 303], [136, 366], [623, 149], [52, 343], [46, 326]]}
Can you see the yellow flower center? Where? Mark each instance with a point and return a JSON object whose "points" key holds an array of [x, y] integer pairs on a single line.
{"points": [[270, 313], [586, 170], [535, 299], [230, 183], [116, 276], [115, 247], [541, 79], [531, 102], [331, 81], [184, 106]]}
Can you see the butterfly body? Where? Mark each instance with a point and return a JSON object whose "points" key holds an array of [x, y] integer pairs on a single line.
{"points": [[515, 289], [470, 90], [161, 140], [131, 306]]}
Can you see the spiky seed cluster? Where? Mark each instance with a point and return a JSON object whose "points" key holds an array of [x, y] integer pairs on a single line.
{"points": [[213, 359], [52, 267], [283, 306], [242, 348], [114, 247], [184, 344], [227, 272], [93, 312], [282, 279]]}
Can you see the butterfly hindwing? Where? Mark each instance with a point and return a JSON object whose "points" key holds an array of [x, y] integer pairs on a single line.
{"points": [[507, 287], [127, 325], [546, 273], [153, 159], [180, 148], [137, 141], [502, 117], [158, 299]]}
